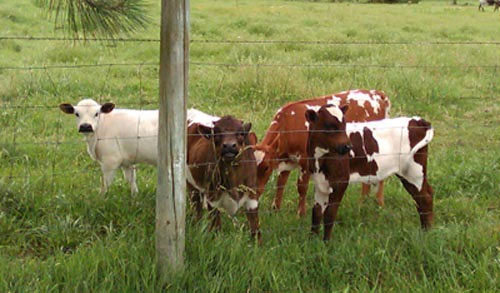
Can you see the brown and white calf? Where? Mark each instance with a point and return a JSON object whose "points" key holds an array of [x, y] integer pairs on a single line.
{"points": [[284, 146], [377, 150], [222, 170]]}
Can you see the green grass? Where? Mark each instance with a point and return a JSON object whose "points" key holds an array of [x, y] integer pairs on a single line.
{"points": [[57, 233]]}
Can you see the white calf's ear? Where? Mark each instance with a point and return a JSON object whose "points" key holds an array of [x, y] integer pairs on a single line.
{"points": [[67, 108], [311, 116], [107, 107]]}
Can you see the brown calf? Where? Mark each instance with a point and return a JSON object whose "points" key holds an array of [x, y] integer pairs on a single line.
{"points": [[222, 169], [378, 150], [284, 147]]}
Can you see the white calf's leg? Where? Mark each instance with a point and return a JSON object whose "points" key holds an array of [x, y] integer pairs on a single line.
{"points": [[108, 175], [130, 175]]}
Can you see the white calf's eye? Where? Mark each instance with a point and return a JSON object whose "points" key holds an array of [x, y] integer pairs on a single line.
{"points": [[77, 115], [96, 114]]}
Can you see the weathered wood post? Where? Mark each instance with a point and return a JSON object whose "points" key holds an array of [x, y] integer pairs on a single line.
{"points": [[170, 195]]}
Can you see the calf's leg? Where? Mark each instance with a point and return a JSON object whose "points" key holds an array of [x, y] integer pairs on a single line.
{"points": [[197, 201], [417, 172], [280, 186], [302, 185], [365, 191], [108, 174], [252, 213], [423, 199], [380, 193], [331, 210], [130, 175], [216, 224]]}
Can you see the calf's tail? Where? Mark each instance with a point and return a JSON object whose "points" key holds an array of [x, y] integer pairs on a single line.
{"points": [[422, 125]]}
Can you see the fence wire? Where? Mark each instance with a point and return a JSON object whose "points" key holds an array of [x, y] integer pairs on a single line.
{"points": [[253, 42], [258, 65]]}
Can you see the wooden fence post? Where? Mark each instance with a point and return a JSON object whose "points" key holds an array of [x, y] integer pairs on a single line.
{"points": [[170, 195]]}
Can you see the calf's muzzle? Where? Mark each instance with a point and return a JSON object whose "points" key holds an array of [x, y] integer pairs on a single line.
{"points": [[85, 128], [229, 151]]}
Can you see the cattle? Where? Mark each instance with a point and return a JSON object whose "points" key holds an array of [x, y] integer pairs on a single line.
{"points": [[121, 138], [117, 138], [284, 146], [221, 169], [483, 3], [366, 152]]}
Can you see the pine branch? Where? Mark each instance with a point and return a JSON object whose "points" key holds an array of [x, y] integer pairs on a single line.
{"points": [[107, 18]]}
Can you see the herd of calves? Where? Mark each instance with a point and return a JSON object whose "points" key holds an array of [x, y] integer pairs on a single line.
{"points": [[335, 139]]}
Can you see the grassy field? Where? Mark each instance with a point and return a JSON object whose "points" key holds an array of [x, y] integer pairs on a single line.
{"points": [[57, 233]]}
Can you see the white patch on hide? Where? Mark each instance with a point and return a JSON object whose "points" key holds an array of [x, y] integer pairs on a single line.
{"points": [[315, 108], [251, 204], [196, 116], [322, 190], [361, 98], [334, 100], [259, 156], [318, 153], [284, 166], [336, 112]]}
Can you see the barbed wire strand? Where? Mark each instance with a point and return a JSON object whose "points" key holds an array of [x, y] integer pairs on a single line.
{"points": [[286, 65], [250, 42]]}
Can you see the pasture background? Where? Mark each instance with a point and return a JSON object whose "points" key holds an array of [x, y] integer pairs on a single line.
{"points": [[57, 233]]}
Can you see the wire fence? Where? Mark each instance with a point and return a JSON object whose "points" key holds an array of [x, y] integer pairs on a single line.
{"points": [[263, 65], [12, 143], [253, 42]]}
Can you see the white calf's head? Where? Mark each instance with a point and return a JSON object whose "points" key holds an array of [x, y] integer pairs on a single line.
{"points": [[87, 114]]}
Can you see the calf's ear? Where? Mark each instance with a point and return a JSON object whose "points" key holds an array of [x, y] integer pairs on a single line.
{"points": [[251, 139], [344, 108], [247, 127], [107, 107], [205, 131], [67, 108], [311, 116]]}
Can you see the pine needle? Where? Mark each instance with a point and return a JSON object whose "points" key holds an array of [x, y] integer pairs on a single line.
{"points": [[92, 18]]}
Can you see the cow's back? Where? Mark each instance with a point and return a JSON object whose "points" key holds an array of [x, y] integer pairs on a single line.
{"points": [[382, 148], [130, 135], [290, 123]]}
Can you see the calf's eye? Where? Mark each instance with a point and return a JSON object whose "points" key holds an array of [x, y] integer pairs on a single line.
{"points": [[77, 115], [96, 114]]}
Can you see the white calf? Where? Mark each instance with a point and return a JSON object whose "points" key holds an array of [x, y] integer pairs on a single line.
{"points": [[117, 138]]}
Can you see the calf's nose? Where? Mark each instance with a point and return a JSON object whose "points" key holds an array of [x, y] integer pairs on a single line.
{"points": [[85, 127], [229, 145]]}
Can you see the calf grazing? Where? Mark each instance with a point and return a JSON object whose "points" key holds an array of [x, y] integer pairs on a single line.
{"points": [[284, 146], [222, 169], [117, 138], [378, 150], [483, 3]]}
